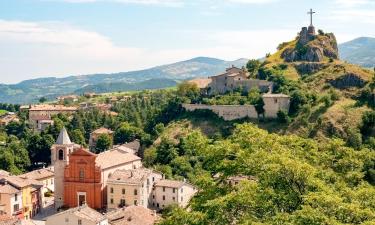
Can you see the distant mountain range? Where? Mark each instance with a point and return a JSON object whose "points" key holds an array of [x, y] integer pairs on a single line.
{"points": [[359, 51], [30, 91]]}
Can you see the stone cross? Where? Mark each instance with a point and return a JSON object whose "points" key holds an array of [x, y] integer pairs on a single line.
{"points": [[311, 12]]}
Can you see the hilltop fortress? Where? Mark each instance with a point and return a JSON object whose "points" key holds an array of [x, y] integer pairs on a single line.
{"points": [[233, 79]]}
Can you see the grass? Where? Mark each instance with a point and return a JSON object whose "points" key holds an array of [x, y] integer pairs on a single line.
{"points": [[3, 112]]}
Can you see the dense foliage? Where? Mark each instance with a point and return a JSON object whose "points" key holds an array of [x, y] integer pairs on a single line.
{"points": [[299, 181]]}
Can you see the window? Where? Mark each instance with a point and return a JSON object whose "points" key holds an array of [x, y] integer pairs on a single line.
{"points": [[135, 202], [182, 190], [81, 175], [79, 222], [174, 199], [51, 181], [123, 191], [153, 178], [153, 196], [122, 202], [174, 190], [16, 197], [61, 154], [16, 207], [66, 220], [111, 190], [163, 189], [163, 197], [135, 192], [275, 100], [148, 182]]}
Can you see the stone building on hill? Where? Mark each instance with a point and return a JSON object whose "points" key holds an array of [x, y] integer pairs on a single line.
{"points": [[233, 78], [42, 114]]}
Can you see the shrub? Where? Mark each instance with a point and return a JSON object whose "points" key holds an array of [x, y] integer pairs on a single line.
{"points": [[282, 117]]}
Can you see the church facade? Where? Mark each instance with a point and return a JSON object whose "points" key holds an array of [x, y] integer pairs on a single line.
{"points": [[81, 176]]}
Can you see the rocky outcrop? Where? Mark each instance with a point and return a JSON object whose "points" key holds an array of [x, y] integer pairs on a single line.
{"points": [[348, 80], [309, 67], [312, 48]]}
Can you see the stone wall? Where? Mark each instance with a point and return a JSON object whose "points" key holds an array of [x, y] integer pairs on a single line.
{"points": [[227, 112], [273, 103]]}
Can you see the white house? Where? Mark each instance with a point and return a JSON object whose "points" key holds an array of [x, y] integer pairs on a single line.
{"points": [[131, 187], [169, 192]]}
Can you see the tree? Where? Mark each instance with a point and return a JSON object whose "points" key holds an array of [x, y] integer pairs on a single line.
{"points": [[189, 90], [368, 123], [282, 116], [127, 133], [42, 100], [39, 147], [252, 66], [78, 137], [166, 151], [103, 143]]}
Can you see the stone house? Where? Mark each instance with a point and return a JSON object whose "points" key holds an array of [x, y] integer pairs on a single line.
{"points": [[273, 103], [170, 192], [82, 215], [131, 187], [233, 78], [39, 113]]}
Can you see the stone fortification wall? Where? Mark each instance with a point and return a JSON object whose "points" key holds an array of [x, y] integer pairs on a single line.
{"points": [[227, 112], [272, 105]]}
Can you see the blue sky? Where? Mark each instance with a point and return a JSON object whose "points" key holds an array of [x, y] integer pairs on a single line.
{"points": [[40, 38]]}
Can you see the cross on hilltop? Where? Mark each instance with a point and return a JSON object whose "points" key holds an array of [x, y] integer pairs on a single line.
{"points": [[311, 12]]}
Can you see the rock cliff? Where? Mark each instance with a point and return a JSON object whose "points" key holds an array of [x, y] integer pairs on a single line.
{"points": [[312, 48]]}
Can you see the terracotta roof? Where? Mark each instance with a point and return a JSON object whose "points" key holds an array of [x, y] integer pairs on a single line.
{"points": [[21, 182], [102, 130], [63, 138], [171, 183], [133, 215], [52, 108], [134, 176], [40, 117], [8, 189], [84, 212], [4, 173], [39, 174], [114, 157]]}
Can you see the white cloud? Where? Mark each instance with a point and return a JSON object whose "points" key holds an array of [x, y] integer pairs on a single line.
{"points": [[32, 49], [358, 15], [170, 3], [253, 1], [352, 3]]}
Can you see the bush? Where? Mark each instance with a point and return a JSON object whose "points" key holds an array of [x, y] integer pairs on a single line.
{"points": [[282, 117]]}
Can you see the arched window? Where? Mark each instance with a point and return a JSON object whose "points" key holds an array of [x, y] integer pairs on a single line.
{"points": [[61, 154]]}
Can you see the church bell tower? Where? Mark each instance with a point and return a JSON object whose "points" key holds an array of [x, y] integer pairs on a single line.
{"points": [[60, 152]]}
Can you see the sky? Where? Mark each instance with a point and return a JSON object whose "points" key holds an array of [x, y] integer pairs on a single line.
{"points": [[44, 38]]}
